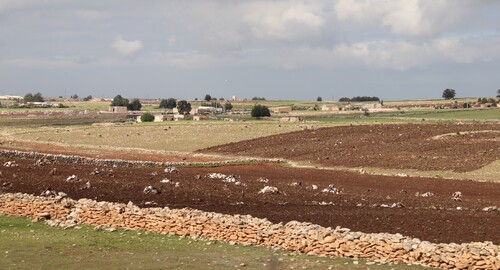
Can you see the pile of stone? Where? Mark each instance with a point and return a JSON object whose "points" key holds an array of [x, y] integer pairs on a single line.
{"points": [[246, 230]]}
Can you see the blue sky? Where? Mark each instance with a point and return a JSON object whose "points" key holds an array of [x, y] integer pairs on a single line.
{"points": [[393, 49]]}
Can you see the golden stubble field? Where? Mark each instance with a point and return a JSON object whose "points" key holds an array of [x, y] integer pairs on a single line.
{"points": [[172, 137]]}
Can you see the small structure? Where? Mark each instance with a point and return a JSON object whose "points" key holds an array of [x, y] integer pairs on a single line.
{"points": [[205, 110], [118, 109], [10, 97], [200, 117], [330, 108], [283, 109], [38, 104], [292, 119], [178, 117], [158, 117]]}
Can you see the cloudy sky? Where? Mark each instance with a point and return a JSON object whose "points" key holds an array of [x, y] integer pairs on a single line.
{"points": [[394, 49]]}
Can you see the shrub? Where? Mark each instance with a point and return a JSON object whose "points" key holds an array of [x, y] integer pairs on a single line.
{"points": [[228, 106], [135, 105], [147, 117], [169, 103], [119, 101], [260, 111]]}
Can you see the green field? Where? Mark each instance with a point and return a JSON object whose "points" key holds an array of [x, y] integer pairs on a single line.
{"points": [[463, 114], [27, 245]]}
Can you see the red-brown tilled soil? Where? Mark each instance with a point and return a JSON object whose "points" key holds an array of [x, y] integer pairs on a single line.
{"points": [[417, 207], [402, 146]]}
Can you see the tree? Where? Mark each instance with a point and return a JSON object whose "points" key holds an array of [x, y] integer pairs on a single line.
{"points": [[135, 105], [169, 103], [184, 107], [449, 94], [147, 117], [228, 106], [75, 96], [319, 99], [119, 101], [498, 93], [89, 97], [260, 111], [29, 97], [208, 97], [258, 98]]}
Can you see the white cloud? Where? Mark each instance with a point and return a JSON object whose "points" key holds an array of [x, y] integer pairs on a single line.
{"points": [[126, 48], [408, 17], [171, 40], [280, 20]]}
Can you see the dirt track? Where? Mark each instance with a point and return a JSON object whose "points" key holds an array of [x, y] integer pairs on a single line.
{"points": [[365, 202], [409, 146]]}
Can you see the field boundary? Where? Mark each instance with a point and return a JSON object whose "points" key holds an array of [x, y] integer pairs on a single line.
{"points": [[50, 158], [295, 236]]}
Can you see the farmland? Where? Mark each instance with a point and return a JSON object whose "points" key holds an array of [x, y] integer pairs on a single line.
{"points": [[380, 173]]}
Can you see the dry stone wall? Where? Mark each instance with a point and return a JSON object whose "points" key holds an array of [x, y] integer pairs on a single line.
{"points": [[48, 158], [246, 230]]}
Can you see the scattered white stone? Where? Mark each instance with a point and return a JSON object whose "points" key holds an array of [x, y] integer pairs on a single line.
{"points": [[401, 175], [71, 178], [170, 182], [171, 170], [490, 208], [294, 184], [150, 190], [332, 189], [314, 187], [95, 172], [263, 180], [456, 196], [326, 203], [10, 164], [426, 194], [361, 171], [224, 178], [269, 190]]}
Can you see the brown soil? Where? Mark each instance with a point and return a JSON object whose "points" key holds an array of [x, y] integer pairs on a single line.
{"points": [[364, 203], [408, 146]]}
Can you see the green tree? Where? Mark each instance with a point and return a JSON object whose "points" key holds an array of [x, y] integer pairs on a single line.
{"points": [[147, 117], [89, 97], [119, 101], [259, 111], [135, 105], [228, 106], [183, 107], [169, 103], [498, 93], [29, 97], [75, 96], [208, 97], [319, 99], [449, 94]]}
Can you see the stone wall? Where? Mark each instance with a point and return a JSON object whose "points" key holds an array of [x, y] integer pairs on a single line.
{"points": [[122, 163], [246, 230]]}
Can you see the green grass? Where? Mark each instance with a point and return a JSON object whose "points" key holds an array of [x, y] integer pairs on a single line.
{"points": [[27, 245], [459, 114]]}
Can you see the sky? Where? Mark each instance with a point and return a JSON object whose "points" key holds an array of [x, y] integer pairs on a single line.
{"points": [[288, 50]]}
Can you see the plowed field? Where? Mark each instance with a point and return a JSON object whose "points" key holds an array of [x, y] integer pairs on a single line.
{"points": [[441, 147], [417, 207]]}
